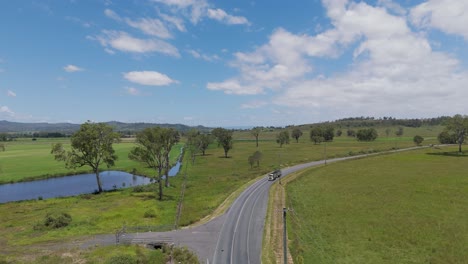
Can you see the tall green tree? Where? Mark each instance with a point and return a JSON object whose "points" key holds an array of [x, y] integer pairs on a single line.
{"points": [[256, 132], [255, 158], [446, 138], [2, 148], [91, 146], [296, 134], [458, 124], [282, 138], [339, 132], [316, 135], [328, 133], [224, 138], [170, 137], [366, 134], [203, 141], [418, 140], [149, 151], [192, 144]]}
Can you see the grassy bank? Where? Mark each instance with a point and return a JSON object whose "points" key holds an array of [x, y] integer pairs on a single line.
{"points": [[401, 208]]}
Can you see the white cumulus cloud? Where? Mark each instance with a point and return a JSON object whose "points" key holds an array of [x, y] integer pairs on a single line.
{"points": [[198, 9], [72, 68], [152, 27], [195, 8], [222, 16], [119, 40], [394, 69], [151, 78], [450, 16]]}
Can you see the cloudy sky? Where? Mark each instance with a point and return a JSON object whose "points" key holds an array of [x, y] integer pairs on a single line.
{"points": [[232, 63]]}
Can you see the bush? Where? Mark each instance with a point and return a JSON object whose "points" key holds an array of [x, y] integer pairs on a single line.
{"points": [[145, 188], [184, 255], [339, 133], [418, 140], [57, 220], [367, 134], [122, 259], [447, 138], [150, 214]]}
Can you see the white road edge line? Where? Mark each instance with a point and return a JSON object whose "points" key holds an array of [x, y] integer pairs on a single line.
{"points": [[238, 217]]}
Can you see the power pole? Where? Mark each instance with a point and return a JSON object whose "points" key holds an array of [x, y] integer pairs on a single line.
{"points": [[325, 153], [285, 242]]}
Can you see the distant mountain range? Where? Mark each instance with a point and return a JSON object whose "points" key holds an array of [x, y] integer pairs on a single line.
{"points": [[15, 127]]}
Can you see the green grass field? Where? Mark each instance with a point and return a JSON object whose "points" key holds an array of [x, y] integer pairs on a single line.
{"points": [[210, 180], [28, 160], [409, 207]]}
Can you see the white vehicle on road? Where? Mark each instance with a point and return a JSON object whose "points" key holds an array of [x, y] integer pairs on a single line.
{"points": [[274, 174]]}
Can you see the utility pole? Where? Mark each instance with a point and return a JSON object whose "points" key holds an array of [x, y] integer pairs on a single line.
{"points": [[285, 242], [325, 153]]}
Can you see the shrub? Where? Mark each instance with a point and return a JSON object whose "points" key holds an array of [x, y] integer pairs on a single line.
{"points": [[150, 214], [447, 138], [418, 140], [184, 255], [86, 196], [122, 259], [145, 188], [57, 220], [351, 133], [367, 134]]}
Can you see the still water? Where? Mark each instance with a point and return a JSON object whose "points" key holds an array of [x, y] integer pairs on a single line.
{"points": [[72, 185]]}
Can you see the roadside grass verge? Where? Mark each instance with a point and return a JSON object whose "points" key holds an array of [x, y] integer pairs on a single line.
{"points": [[407, 207]]}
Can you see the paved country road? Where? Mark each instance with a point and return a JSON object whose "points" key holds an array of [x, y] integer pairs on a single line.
{"points": [[234, 237]]}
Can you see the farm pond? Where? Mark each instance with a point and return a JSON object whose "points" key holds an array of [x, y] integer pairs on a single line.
{"points": [[73, 185]]}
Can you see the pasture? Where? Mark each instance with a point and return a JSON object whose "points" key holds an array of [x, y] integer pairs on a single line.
{"points": [[210, 180], [408, 207]]}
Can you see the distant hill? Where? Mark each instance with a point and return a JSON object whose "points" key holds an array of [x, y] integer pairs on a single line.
{"points": [[68, 128]]}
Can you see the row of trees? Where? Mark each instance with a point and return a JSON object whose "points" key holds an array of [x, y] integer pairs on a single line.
{"points": [[92, 144], [389, 121]]}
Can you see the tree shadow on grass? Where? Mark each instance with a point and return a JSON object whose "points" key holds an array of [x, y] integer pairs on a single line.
{"points": [[450, 154]]}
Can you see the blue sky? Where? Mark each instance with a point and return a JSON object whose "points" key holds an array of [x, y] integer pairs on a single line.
{"points": [[231, 63]]}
